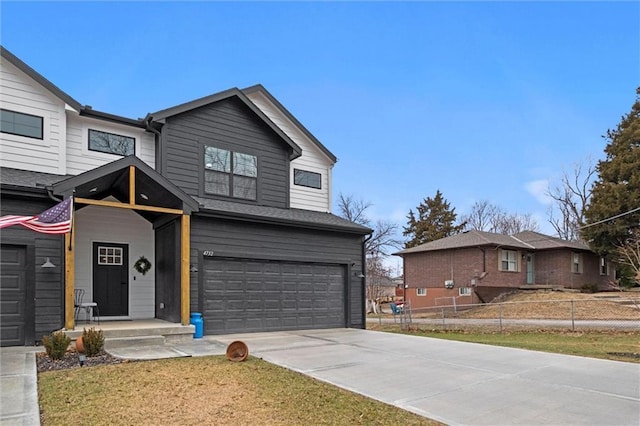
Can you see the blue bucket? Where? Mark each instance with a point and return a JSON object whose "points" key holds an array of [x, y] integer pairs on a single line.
{"points": [[198, 323]]}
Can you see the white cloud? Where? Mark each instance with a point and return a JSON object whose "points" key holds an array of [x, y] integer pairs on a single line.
{"points": [[538, 188]]}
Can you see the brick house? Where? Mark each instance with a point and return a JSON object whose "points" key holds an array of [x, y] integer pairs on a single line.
{"points": [[476, 266]]}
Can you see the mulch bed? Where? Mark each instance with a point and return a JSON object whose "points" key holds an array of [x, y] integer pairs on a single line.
{"points": [[71, 360]]}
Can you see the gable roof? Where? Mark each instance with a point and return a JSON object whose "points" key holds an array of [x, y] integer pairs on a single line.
{"points": [[260, 89], [18, 63], [161, 115]]}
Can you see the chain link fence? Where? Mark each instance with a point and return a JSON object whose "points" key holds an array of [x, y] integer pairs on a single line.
{"points": [[616, 313]]}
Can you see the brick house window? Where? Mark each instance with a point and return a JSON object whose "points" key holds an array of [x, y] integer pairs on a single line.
{"points": [[576, 263], [421, 291], [464, 291], [509, 260], [604, 267]]}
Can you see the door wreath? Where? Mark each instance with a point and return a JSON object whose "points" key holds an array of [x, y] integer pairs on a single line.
{"points": [[142, 265]]}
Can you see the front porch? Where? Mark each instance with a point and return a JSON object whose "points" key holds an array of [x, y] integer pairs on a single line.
{"points": [[137, 332]]}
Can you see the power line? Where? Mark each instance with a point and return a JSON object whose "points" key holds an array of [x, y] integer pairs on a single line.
{"points": [[610, 218]]}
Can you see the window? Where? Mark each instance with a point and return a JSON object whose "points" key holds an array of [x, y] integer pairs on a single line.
{"points": [[111, 143], [109, 255], [509, 260], [18, 123], [305, 178], [230, 173], [604, 268], [464, 291], [576, 263], [421, 291]]}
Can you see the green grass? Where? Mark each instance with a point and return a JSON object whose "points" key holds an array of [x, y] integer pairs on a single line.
{"points": [[205, 390], [594, 344]]}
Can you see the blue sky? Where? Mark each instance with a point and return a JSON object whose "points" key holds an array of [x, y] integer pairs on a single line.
{"points": [[481, 100]]}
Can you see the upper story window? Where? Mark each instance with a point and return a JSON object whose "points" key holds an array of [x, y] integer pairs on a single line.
{"points": [[509, 260], [21, 124], [232, 174], [576, 263], [111, 143], [421, 291], [306, 178]]}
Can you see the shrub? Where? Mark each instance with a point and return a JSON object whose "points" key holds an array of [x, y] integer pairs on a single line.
{"points": [[589, 288], [93, 341], [56, 344]]}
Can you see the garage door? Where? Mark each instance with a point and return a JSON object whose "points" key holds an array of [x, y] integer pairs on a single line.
{"points": [[247, 296], [13, 295]]}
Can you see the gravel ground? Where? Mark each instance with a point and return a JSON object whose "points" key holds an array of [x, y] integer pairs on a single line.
{"points": [[71, 360]]}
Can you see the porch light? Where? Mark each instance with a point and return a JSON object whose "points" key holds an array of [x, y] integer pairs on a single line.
{"points": [[144, 196], [193, 268], [47, 264]]}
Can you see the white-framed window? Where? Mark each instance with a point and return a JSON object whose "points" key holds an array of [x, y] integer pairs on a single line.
{"points": [[111, 143], [509, 260], [576, 263], [21, 124], [233, 174], [421, 291], [604, 266], [109, 255], [464, 291], [307, 178]]}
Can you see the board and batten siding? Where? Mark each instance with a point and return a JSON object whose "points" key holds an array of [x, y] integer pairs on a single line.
{"points": [[227, 124], [243, 240], [20, 93], [48, 283], [312, 160], [114, 225], [81, 159]]}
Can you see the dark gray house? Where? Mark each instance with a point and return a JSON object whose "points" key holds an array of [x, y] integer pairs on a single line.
{"points": [[228, 197]]}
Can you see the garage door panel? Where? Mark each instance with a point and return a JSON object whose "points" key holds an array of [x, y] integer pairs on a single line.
{"points": [[248, 295]]}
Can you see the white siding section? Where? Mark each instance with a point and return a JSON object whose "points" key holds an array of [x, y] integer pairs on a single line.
{"points": [[312, 160], [20, 93], [114, 225], [80, 159]]}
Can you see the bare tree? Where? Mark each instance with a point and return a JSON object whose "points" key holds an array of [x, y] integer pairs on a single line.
{"points": [[488, 217], [570, 198], [378, 281], [628, 253], [384, 237]]}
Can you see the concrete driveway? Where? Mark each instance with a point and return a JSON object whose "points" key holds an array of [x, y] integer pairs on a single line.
{"points": [[456, 382]]}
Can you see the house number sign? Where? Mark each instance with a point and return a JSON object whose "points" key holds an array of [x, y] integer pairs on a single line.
{"points": [[207, 253]]}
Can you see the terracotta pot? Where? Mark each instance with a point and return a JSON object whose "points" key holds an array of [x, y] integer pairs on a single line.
{"points": [[237, 351], [79, 345]]}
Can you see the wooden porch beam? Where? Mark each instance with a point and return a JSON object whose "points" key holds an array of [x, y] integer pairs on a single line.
{"points": [[132, 185], [105, 203], [185, 249], [69, 282]]}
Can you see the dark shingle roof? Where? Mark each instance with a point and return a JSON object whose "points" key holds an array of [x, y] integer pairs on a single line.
{"points": [[28, 179], [468, 239], [305, 218], [545, 242]]}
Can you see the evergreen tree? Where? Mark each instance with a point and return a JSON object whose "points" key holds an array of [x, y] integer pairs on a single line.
{"points": [[435, 220], [617, 189]]}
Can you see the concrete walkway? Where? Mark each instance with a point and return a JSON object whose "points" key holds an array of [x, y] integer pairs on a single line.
{"points": [[453, 382]]}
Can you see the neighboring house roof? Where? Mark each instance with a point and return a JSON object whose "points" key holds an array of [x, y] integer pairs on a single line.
{"points": [[294, 120], [305, 218], [161, 115], [528, 240], [468, 239], [545, 242]]}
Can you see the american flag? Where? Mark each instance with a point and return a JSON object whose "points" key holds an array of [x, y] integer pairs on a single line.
{"points": [[56, 220]]}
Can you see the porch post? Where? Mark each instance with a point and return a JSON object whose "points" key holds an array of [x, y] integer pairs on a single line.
{"points": [[184, 268], [69, 281]]}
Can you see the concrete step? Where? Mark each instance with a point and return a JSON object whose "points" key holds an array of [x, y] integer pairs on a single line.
{"points": [[137, 341]]}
